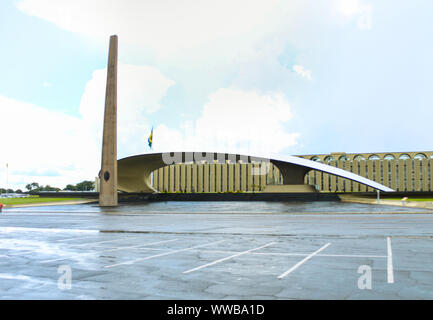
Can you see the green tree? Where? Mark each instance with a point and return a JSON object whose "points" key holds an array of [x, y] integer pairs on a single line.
{"points": [[85, 186], [48, 188], [70, 187], [34, 186]]}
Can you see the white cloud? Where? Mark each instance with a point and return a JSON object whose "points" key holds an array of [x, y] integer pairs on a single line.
{"points": [[304, 73], [140, 89], [166, 26], [235, 121], [356, 9], [53, 148], [38, 144]]}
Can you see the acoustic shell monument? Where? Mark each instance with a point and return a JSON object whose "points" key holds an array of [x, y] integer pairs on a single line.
{"points": [[133, 174]]}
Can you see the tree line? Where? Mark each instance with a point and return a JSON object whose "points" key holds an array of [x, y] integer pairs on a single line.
{"points": [[36, 187]]}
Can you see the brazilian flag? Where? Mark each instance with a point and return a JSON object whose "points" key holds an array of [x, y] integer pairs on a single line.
{"points": [[149, 140]]}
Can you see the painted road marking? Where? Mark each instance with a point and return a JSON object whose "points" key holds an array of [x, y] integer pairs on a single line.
{"points": [[280, 253], [163, 254], [303, 261], [390, 267], [229, 257], [109, 250]]}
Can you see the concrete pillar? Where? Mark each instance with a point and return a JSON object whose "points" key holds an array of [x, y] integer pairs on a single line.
{"points": [[325, 184], [250, 177], [230, 177], [393, 164], [386, 170], [194, 186], [333, 178], [370, 173], [200, 178], [417, 175], [244, 177], [171, 178], [340, 181], [224, 177], [425, 175], [237, 185], [212, 177], [431, 174], [319, 179], [166, 180], [401, 175], [177, 177], [355, 169], [161, 179], [256, 177], [108, 173], [155, 179], [97, 182], [347, 182], [218, 177], [206, 177], [409, 175], [188, 177], [362, 172]]}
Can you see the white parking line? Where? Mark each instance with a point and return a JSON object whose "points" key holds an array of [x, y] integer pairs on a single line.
{"points": [[281, 253], [227, 258], [390, 268], [109, 250], [303, 261], [163, 254]]}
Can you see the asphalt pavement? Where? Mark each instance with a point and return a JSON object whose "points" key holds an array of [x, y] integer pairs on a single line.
{"points": [[217, 250]]}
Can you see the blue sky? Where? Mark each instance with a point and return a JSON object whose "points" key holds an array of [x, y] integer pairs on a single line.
{"points": [[274, 77]]}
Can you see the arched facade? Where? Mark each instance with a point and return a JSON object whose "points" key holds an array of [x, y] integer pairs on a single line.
{"points": [[135, 174], [401, 171]]}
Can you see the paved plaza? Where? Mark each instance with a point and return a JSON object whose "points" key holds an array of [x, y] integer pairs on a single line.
{"points": [[217, 250]]}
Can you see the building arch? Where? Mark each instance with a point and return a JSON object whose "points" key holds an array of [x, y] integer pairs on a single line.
{"points": [[389, 157], [328, 159], [420, 156], [134, 173], [358, 157], [343, 158]]}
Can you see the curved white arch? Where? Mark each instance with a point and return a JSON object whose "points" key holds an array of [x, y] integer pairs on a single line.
{"points": [[338, 172], [293, 168]]}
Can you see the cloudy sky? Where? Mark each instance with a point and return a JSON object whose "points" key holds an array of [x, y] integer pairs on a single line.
{"points": [[257, 77]]}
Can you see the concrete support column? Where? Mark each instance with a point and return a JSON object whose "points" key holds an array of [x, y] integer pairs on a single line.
{"points": [[108, 173]]}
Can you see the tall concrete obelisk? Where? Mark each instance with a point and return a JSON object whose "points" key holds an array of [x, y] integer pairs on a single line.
{"points": [[108, 173]]}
